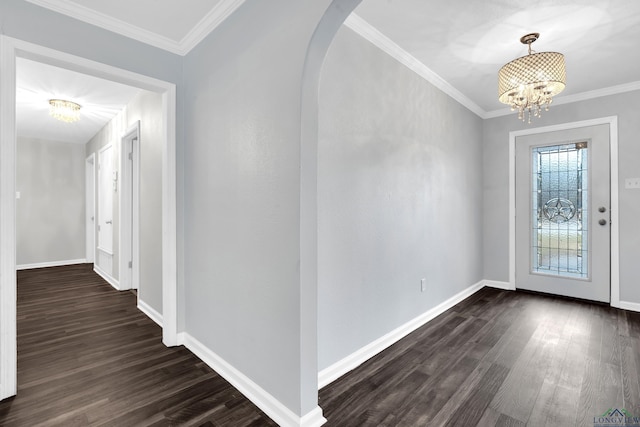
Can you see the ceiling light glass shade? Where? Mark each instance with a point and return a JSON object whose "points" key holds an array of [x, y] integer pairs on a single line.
{"points": [[529, 83], [65, 111]]}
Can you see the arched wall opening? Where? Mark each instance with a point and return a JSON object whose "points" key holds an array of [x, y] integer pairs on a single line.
{"points": [[322, 37]]}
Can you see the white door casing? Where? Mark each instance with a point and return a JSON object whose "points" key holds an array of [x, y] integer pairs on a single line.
{"points": [[612, 121], [563, 212]]}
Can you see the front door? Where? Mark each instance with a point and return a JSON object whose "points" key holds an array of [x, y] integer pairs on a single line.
{"points": [[562, 213]]}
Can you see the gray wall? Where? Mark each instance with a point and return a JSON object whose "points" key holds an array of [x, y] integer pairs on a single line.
{"points": [[242, 196], [147, 108], [496, 182], [50, 212], [399, 197]]}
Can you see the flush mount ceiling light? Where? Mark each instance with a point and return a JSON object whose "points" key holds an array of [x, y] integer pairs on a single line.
{"points": [[65, 111], [529, 83]]}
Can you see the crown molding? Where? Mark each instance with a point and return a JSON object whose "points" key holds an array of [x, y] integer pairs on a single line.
{"points": [[370, 33], [577, 97], [106, 22], [210, 21]]}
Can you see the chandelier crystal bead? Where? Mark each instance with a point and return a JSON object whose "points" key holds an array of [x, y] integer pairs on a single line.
{"points": [[65, 111], [529, 83]]}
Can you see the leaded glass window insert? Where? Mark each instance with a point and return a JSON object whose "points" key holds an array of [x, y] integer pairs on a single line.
{"points": [[560, 215]]}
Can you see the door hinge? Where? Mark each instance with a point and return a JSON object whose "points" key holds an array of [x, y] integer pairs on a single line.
{"points": [[130, 156], [130, 264]]}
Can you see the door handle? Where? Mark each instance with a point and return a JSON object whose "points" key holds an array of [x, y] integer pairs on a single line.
{"points": [[111, 222]]}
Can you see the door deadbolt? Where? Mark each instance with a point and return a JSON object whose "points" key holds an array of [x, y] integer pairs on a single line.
{"points": [[602, 209]]}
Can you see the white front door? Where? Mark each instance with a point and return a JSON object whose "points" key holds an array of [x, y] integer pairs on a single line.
{"points": [[563, 213]]}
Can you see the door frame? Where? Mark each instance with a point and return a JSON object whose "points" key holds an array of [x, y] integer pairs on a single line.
{"points": [[612, 121], [90, 202], [129, 196], [10, 49]]}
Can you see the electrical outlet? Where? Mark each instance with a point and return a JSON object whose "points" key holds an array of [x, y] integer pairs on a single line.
{"points": [[423, 285], [632, 183]]}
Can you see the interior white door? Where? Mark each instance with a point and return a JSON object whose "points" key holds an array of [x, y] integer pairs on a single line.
{"points": [[129, 201], [105, 199], [562, 213], [90, 206]]}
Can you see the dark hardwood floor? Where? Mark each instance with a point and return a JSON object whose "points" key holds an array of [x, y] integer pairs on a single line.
{"points": [[87, 357], [498, 358]]}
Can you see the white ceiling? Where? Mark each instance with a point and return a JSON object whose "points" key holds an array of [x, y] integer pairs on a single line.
{"points": [[466, 42], [458, 45], [36, 83]]}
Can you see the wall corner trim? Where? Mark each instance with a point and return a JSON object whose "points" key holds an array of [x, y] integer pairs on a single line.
{"points": [[499, 285], [631, 306], [271, 406], [335, 371], [150, 312], [313, 419]]}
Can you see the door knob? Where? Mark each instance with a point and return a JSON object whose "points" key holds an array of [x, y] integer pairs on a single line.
{"points": [[602, 222]]}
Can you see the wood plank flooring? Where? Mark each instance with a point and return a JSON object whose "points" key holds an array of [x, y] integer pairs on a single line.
{"points": [[498, 359], [88, 357]]}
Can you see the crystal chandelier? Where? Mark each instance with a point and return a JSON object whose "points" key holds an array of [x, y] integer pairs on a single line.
{"points": [[65, 111], [529, 83]]}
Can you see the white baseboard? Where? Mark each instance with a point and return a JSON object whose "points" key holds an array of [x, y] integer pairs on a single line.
{"points": [[110, 280], [631, 306], [271, 406], [498, 285], [51, 264], [338, 369], [150, 312]]}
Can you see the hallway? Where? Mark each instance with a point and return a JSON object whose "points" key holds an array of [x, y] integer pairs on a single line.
{"points": [[88, 356]]}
